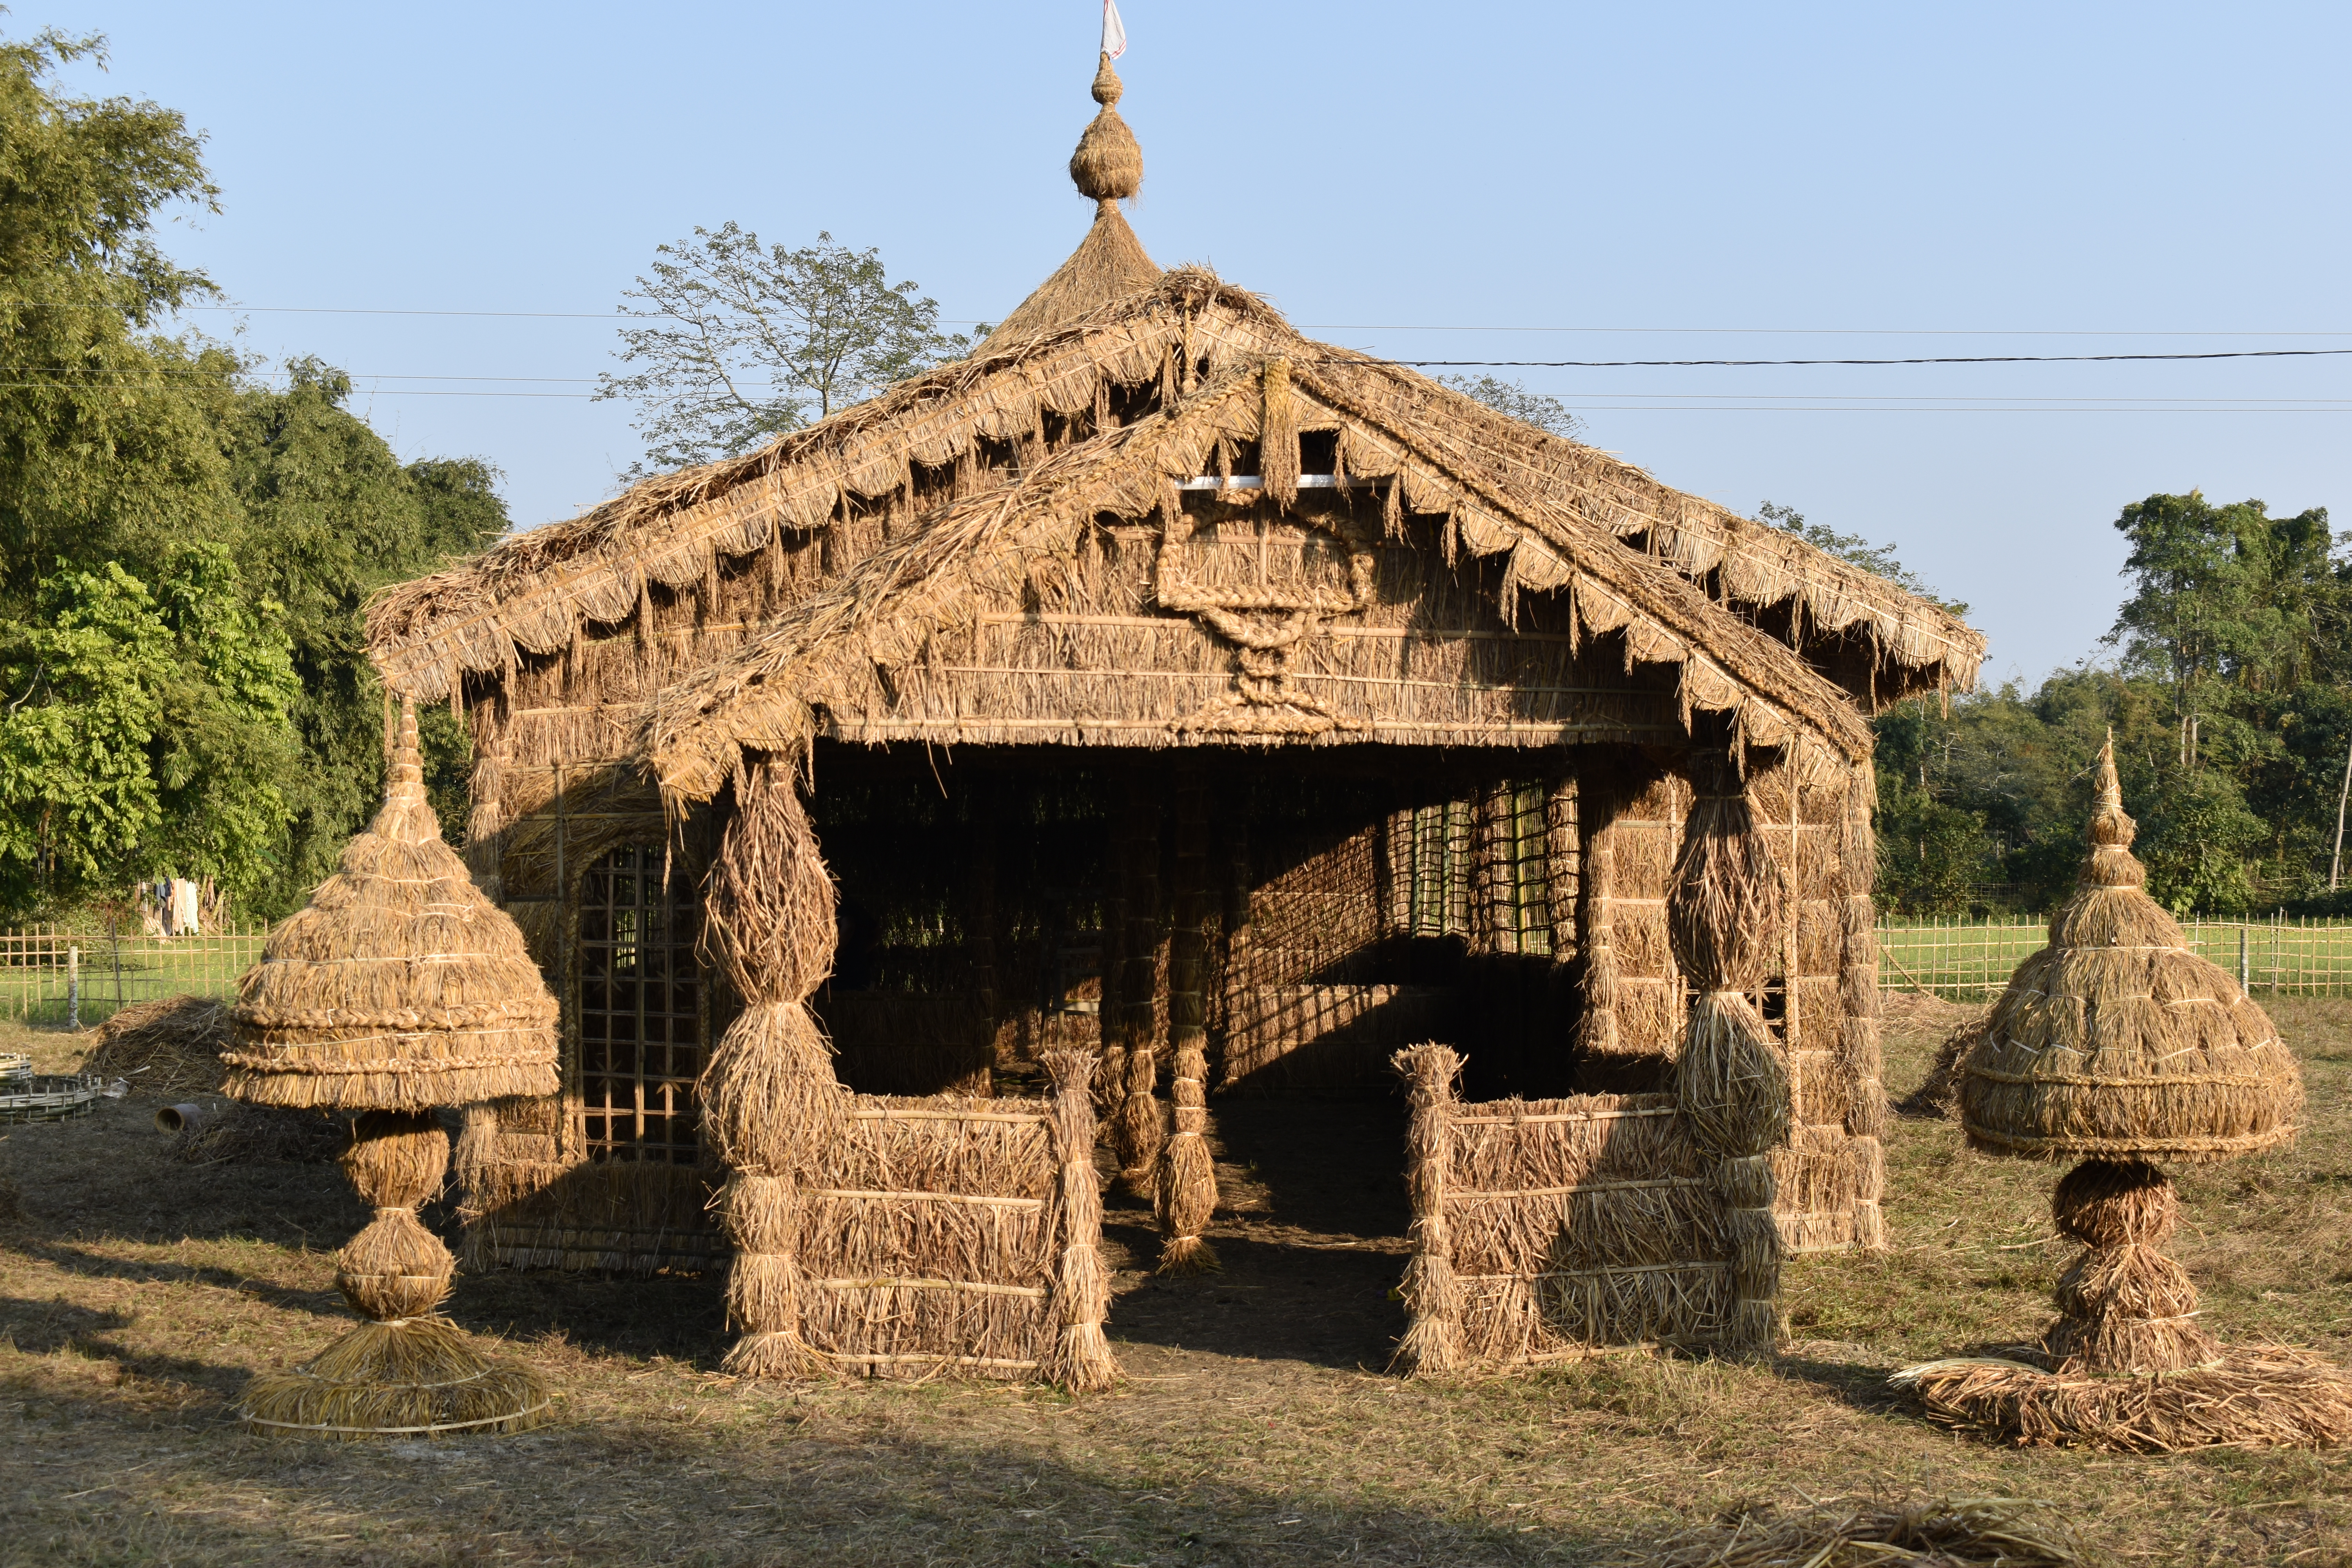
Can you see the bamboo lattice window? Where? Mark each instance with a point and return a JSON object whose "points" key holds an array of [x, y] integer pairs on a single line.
{"points": [[641, 1024], [1438, 870]]}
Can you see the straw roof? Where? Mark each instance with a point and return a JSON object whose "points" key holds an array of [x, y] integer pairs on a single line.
{"points": [[534, 593], [980, 553], [399, 986], [2117, 1040]]}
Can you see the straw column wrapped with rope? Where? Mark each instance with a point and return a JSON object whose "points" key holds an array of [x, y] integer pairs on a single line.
{"points": [[1186, 1191], [399, 987], [1081, 1358], [771, 1101], [1433, 1339], [1730, 1082]]}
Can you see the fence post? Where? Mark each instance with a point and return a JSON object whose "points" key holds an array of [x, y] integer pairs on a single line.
{"points": [[2242, 975], [73, 988]]}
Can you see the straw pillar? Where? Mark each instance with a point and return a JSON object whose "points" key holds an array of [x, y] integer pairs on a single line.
{"points": [[1137, 1133], [1732, 1086], [1433, 1296], [771, 1103], [1633, 989], [1081, 1358], [1865, 1117], [1186, 1190]]}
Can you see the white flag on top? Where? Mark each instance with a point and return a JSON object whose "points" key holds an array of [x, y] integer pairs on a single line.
{"points": [[1114, 30]]}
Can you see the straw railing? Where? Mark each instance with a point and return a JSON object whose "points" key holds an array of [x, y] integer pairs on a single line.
{"points": [[61, 975], [1964, 960]]}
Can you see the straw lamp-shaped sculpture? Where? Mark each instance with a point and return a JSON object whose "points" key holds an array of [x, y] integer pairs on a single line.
{"points": [[399, 988], [2118, 1045]]}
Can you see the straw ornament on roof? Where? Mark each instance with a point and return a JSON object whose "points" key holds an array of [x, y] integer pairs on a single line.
{"points": [[400, 987], [1107, 165], [2118, 1044]]}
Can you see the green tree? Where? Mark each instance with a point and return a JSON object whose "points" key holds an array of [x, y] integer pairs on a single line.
{"points": [[749, 341], [331, 516]]}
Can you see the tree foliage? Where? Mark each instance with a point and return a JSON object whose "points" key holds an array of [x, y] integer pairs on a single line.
{"points": [[747, 342], [183, 549], [2229, 710]]}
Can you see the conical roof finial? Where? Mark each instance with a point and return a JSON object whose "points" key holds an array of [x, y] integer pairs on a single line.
{"points": [[1107, 165]]}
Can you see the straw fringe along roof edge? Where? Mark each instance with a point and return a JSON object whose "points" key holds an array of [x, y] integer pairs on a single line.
{"points": [[534, 593]]}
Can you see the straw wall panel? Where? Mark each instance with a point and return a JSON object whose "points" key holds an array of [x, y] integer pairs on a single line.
{"points": [[1576, 1223], [928, 1243]]}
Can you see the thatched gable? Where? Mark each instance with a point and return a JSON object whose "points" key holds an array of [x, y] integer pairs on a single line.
{"points": [[538, 591], [863, 646]]}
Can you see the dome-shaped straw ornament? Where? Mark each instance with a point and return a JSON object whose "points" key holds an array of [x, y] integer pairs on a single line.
{"points": [[2119, 1045], [400, 987]]}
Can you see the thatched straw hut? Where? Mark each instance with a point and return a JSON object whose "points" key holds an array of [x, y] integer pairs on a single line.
{"points": [[1159, 685], [2118, 1045], [399, 988]]}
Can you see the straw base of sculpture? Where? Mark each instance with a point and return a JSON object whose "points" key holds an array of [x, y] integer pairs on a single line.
{"points": [[2125, 1365], [416, 1377], [2266, 1398]]}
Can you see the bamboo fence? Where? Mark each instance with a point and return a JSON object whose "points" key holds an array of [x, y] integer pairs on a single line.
{"points": [[1964, 960], [61, 976]]}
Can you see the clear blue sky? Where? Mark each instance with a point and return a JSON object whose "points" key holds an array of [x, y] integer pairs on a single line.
{"points": [[1652, 182]]}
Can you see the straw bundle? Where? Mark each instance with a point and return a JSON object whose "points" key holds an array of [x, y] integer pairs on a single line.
{"points": [[1944, 1532], [1081, 1358], [166, 1048], [397, 988], [1186, 1188], [773, 1106], [1730, 1082], [2117, 1043], [2116, 1039], [1432, 1338]]}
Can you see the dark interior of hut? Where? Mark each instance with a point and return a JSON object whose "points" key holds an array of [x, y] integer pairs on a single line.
{"points": [[1354, 900]]}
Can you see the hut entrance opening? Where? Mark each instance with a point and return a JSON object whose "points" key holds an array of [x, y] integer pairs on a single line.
{"points": [[1328, 908]]}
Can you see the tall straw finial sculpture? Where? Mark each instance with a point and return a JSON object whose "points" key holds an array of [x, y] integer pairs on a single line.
{"points": [[397, 989], [2118, 1047]]}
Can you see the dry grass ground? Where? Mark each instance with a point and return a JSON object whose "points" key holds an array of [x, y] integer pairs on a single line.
{"points": [[1256, 1427]]}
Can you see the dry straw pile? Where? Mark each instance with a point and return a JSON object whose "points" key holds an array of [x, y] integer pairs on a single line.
{"points": [[164, 1049], [2118, 1044], [399, 988], [1945, 1532]]}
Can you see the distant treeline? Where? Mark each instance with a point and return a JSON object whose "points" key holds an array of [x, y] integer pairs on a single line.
{"points": [[2227, 696]]}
